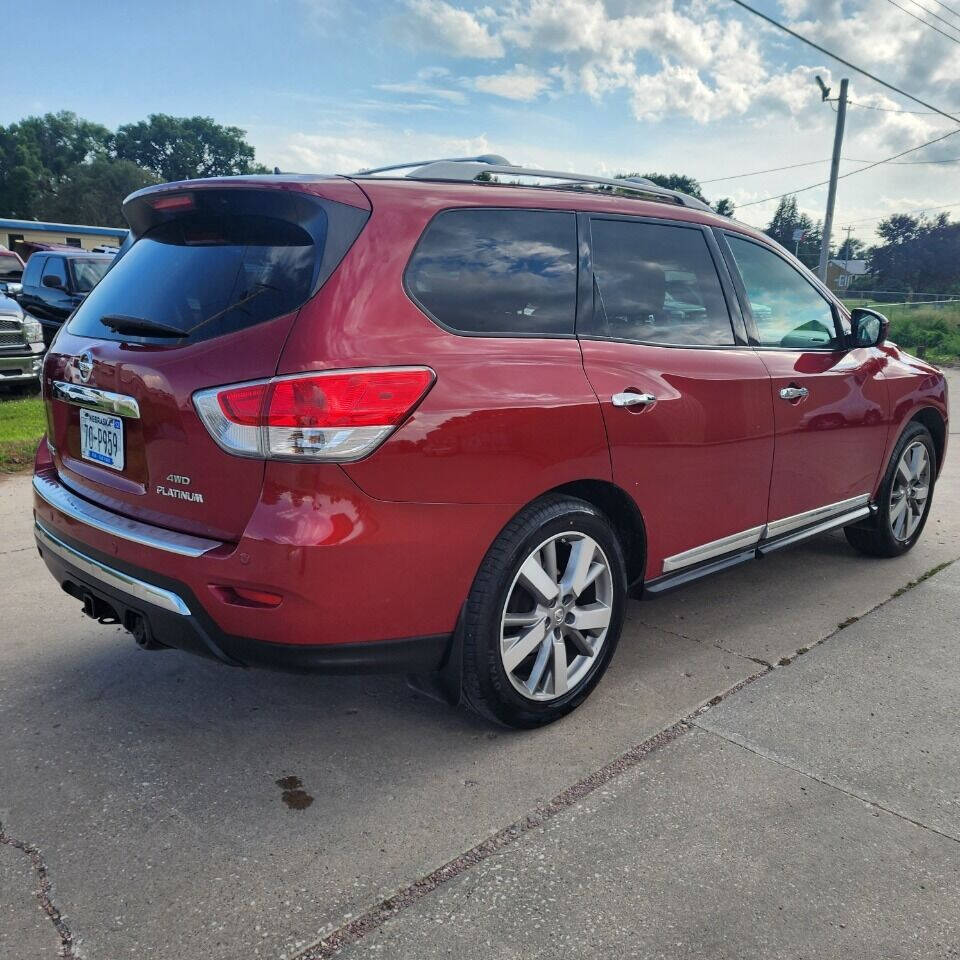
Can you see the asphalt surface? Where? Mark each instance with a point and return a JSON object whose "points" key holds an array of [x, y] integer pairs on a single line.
{"points": [[171, 807]]}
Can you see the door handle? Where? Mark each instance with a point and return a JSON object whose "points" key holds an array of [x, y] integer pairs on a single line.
{"points": [[794, 393], [630, 398]]}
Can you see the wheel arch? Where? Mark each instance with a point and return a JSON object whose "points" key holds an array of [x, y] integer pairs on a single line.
{"points": [[617, 505], [933, 420]]}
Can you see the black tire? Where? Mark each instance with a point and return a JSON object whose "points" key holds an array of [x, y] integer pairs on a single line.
{"points": [[486, 685], [875, 537]]}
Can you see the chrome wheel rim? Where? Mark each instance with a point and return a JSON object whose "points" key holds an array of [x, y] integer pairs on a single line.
{"points": [[910, 491], [556, 617]]}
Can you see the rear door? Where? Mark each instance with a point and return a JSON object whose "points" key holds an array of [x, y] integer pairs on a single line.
{"points": [[830, 401], [215, 278], [685, 402]]}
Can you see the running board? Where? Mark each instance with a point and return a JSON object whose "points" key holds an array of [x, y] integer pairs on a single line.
{"points": [[679, 578]]}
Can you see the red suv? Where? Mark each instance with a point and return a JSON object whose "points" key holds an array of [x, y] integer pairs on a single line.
{"points": [[445, 422]]}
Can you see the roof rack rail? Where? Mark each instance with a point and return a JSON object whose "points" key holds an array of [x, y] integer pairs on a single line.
{"points": [[472, 169]]}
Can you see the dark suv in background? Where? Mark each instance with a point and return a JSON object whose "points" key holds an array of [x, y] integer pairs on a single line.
{"points": [[55, 283]]}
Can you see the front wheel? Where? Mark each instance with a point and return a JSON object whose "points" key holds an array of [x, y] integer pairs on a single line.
{"points": [[904, 499], [544, 614]]}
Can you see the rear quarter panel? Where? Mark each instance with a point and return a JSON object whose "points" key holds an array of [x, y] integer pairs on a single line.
{"points": [[507, 419]]}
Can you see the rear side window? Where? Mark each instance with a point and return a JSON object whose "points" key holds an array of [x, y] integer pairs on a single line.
{"points": [[31, 273], [206, 275], [655, 283], [498, 272]]}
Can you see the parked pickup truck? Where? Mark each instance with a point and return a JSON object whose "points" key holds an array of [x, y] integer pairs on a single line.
{"points": [[21, 344]]}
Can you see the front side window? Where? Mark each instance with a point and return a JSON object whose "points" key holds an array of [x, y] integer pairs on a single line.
{"points": [[88, 273], [506, 272], [787, 309], [55, 268], [655, 283]]}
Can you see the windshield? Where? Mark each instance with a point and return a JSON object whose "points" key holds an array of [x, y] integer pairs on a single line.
{"points": [[10, 267], [88, 273], [207, 274]]}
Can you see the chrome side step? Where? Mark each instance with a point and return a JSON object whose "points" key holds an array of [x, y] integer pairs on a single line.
{"points": [[687, 574]]}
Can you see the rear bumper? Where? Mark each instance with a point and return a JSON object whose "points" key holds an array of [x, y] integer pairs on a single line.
{"points": [[168, 614]]}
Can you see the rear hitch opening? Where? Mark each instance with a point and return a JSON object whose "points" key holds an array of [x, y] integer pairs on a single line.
{"points": [[96, 609]]}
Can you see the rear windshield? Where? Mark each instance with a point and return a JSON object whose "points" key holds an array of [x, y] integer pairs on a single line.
{"points": [[206, 275], [87, 273], [10, 267]]}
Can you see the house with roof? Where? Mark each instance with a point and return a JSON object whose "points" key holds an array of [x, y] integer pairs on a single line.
{"points": [[27, 236], [841, 273]]}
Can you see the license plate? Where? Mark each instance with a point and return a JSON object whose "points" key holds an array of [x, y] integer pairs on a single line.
{"points": [[101, 438]]}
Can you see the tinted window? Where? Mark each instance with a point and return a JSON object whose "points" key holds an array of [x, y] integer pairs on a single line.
{"points": [[55, 267], [87, 273], [498, 271], [656, 284], [206, 274], [787, 309]]}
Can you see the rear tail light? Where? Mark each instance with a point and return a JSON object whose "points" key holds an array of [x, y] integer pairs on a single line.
{"points": [[172, 201], [340, 415]]}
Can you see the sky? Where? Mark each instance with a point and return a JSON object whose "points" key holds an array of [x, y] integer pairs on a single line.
{"points": [[598, 86]]}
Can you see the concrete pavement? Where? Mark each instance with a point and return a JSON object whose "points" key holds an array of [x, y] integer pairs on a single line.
{"points": [[148, 782]]}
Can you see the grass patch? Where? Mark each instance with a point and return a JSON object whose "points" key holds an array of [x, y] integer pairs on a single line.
{"points": [[22, 423], [930, 332]]}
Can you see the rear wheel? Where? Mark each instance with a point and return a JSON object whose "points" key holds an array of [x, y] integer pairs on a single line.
{"points": [[904, 499], [544, 614]]}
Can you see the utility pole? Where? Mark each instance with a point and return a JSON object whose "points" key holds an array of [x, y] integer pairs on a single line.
{"points": [[834, 173]]}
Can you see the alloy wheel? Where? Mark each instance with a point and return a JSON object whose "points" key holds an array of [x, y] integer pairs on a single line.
{"points": [[556, 616], [910, 491]]}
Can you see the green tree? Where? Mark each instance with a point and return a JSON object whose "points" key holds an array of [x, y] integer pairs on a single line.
{"points": [[184, 148], [724, 207], [94, 192], [672, 181], [37, 152]]}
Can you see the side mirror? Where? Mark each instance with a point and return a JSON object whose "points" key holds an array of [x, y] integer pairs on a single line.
{"points": [[868, 328], [52, 280]]}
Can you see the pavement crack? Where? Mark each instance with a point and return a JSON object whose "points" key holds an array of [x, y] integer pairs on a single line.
{"points": [[713, 643], [43, 892], [770, 758]]}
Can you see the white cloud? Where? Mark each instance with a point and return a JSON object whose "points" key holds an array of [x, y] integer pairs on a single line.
{"points": [[439, 25], [431, 82], [520, 83]]}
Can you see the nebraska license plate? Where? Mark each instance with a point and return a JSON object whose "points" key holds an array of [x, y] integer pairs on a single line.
{"points": [[101, 438]]}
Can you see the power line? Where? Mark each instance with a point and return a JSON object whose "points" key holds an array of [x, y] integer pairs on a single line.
{"points": [[885, 216], [850, 173], [870, 106], [926, 23], [945, 7], [810, 163], [936, 16], [846, 63]]}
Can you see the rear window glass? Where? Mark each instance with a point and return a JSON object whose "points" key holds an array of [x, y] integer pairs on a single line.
{"points": [[206, 275], [10, 267], [506, 272]]}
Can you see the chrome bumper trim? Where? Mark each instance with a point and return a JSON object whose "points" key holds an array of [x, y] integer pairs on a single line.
{"points": [[147, 535], [706, 551], [108, 576], [94, 399]]}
